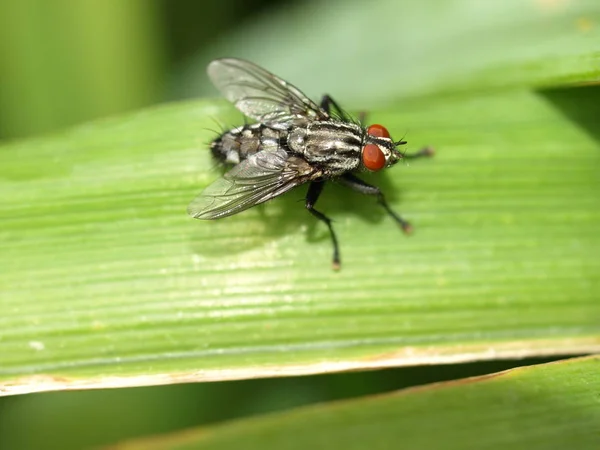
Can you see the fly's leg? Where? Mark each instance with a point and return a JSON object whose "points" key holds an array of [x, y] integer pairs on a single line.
{"points": [[314, 190], [360, 186], [426, 151], [327, 103]]}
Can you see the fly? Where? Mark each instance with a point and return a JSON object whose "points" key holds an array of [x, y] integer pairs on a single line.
{"points": [[294, 141]]}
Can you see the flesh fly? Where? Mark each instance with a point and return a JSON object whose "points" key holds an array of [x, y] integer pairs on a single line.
{"points": [[294, 141]]}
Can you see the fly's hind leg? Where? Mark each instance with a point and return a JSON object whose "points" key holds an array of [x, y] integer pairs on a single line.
{"points": [[360, 186], [314, 190]]}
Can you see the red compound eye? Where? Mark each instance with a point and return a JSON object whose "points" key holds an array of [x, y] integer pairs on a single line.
{"points": [[377, 130], [372, 157]]}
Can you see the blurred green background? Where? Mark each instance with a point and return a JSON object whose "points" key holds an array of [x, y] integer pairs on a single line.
{"points": [[67, 62]]}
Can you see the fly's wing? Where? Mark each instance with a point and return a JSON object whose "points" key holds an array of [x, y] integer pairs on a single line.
{"points": [[260, 177], [261, 95]]}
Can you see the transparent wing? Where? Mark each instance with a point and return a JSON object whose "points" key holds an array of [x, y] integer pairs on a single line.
{"points": [[258, 178], [261, 95]]}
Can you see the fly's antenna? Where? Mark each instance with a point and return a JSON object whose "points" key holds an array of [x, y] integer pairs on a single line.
{"points": [[401, 141], [402, 154]]}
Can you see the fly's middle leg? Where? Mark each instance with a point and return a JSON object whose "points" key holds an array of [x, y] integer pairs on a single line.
{"points": [[360, 186], [314, 190]]}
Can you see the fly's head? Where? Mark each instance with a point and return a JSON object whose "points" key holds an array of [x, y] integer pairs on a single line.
{"points": [[379, 150]]}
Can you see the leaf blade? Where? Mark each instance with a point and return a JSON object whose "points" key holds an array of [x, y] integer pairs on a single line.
{"points": [[538, 407], [107, 282]]}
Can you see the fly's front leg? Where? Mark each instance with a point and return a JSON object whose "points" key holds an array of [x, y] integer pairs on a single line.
{"points": [[314, 190], [426, 151], [360, 186]]}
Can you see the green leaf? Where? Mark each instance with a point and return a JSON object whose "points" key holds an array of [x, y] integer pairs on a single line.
{"points": [[106, 281], [395, 49], [551, 406]]}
